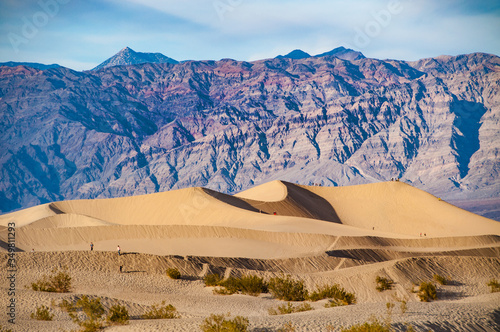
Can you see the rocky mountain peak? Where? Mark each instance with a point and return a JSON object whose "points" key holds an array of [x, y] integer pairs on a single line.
{"points": [[128, 56], [343, 53], [295, 54]]}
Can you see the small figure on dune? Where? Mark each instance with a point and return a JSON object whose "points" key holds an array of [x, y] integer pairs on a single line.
{"points": [[91, 246], [121, 267], [274, 213], [32, 250], [119, 250]]}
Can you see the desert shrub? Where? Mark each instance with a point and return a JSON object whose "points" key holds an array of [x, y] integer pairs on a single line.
{"points": [[383, 284], [389, 306], [427, 292], [67, 306], [374, 325], [332, 303], [60, 282], [42, 285], [231, 285], [495, 286], [42, 313], [173, 273], [212, 280], [250, 285], [118, 315], [332, 292], [218, 323], [161, 311], [287, 289], [403, 305], [93, 310], [287, 327], [4, 329], [440, 279], [289, 309], [222, 291]]}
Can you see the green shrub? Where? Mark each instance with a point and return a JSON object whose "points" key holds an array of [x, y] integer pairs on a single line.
{"points": [[389, 306], [289, 309], [173, 273], [373, 326], [118, 315], [231, 285], [67, 306], [212, 280], [427, 292], [93, 311], [252, 285], [4, 329], [42, 313], [218, 323], [332, 303], [383, 284], [333, 292], [161, 311], [60, 282], [495, 286], [249, 285], [440, 279], [287, 289], [222, 291], [403, 306]]}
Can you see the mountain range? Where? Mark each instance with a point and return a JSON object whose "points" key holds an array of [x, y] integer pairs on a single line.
{"points": [[128, 128]]}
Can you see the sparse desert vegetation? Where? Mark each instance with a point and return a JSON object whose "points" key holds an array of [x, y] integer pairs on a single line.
{"points": [[222, 323], [59, 282], [289, 308], [118, 315], [383, 283], [338, 294], [247, 284], [287, 289], [440, 279], [161, 311], [427, 291], [374, 325], [494, 285], [173, 273], [42, 313], [91, 310]]}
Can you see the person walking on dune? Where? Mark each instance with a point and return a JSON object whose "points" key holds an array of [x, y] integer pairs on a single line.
{"points": [[119, 250], [91, 246]]}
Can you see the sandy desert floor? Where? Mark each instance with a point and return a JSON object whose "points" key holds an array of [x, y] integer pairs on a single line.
{"points": [[342, 235]]}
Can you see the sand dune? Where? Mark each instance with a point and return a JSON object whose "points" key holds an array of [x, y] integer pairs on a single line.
{"points": [[346, 235]]}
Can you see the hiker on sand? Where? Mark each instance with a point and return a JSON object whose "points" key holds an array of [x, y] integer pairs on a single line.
{"points": [[91, 246], [119, 250]]}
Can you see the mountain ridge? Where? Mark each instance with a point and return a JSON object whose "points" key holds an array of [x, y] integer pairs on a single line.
{"points": [[35, 65], [228, 125]]}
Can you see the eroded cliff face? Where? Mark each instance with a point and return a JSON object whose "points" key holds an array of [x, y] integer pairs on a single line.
{"points": [[229, 125]]}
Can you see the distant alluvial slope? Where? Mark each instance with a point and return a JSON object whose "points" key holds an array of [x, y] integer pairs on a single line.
{"points": [[228, 125]]}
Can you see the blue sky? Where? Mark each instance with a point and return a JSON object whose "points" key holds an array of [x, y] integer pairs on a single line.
{"points": [[81, 34]]}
